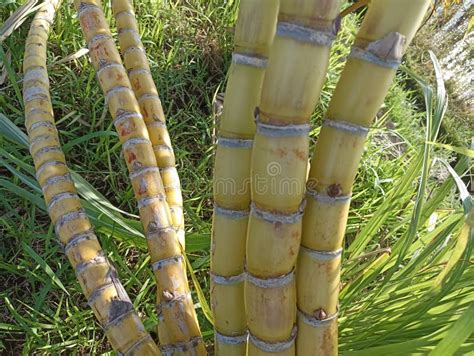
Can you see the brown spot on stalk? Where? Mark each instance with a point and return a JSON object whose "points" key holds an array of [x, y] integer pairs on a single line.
{"points": [[131, 157], [281, 152], [334, 190], [320, 314], [301, 155], [142, 188]]}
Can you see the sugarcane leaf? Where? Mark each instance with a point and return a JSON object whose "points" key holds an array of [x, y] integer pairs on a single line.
{"points": [[42, 263], [9, 130], [457, 334], [16, 19], [23, 193], [461, 150], [67, 147], [201, 297]]}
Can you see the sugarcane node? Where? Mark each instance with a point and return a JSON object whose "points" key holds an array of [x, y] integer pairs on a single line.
{"points": [[334, 190], [176, 348], [274, 347], [347, 127], [253, 60], [256, 113], [320, 314], [78, 238], [231, 339], [313, 36]]}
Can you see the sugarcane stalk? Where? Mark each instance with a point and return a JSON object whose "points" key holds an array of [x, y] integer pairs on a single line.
{"points": [[180, 333], [294, 77], [254, 34], [98, 278], [385, 33], [135, 61]]}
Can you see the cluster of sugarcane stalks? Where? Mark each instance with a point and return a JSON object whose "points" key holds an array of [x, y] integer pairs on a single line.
{"points": [[293, 234], [277, 229]]}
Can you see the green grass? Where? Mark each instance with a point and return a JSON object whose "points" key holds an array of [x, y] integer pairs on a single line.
{"points": [[401, 303]]}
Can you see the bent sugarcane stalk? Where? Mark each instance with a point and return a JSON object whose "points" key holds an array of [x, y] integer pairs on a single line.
{"points": [[136, 63], [97, 277], [386, 31], [180, 334], [296, 71], [254, 34]]}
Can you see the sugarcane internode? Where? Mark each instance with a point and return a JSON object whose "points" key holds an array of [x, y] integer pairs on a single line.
{"points": [[385, 33]]}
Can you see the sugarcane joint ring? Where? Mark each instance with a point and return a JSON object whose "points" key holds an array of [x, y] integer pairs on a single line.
{"points": [[231, 214], [120, 303], [386, 52], [117, 89], [270, 282], [127, 310], [170, 302], [47, 124], [317, 37], [86, 7], [274, 346], [272, 217], [315, 322], [143, 170], [321, 255], [150, 96], [167, 261], [126, 115], [47, 164], [132, 350], [97, 260], [98, 38], [173, 349], [61, 196], [281, 131], [78, 238], [47, 149], [231, 340], [232, 280], [56, 179], [323, 198], [109, 65], [346, 127], [249, 60], [234, 142], [70, 216], [150, 200]]}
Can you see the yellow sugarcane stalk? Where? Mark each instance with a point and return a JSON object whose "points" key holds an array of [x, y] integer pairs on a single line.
{"points": [[254, 34], [97, 277], [136, 63], [296, 71], [180, 333], [386, 31]]}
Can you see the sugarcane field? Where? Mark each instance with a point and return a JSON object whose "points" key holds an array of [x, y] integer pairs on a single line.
{"points": [[236, 177]]}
